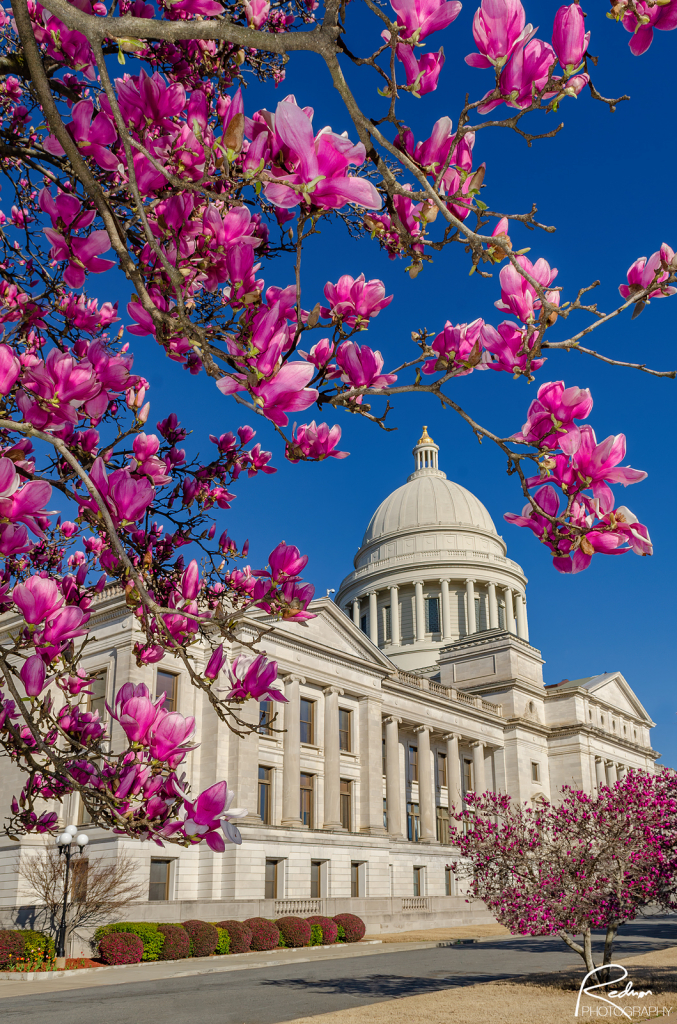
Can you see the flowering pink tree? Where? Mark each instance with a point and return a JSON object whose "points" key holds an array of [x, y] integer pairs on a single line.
{"points": [[583, 863], [166, 174]]}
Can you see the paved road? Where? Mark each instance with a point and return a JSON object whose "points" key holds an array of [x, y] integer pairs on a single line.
{"points": [[271, 995]]}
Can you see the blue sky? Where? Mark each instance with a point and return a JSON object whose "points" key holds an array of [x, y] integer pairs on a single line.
{"points": [[603, 182]]}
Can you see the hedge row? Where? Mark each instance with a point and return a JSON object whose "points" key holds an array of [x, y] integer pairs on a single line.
{"points": [[24, 942], [131, 942]]}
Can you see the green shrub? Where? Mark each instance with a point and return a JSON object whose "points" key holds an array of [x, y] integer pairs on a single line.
{"points": [[329, 928], [39, 943], [153, 940], [341, 934], [315, 935], [223, 945]]}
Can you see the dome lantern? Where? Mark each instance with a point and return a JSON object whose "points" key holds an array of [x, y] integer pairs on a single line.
{"points": [[425, 457]]}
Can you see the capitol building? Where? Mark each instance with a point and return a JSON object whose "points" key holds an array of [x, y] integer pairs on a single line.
{"points": [[418, 684]]}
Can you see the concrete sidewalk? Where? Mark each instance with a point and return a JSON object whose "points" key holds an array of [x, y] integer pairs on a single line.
{"points": [[158, 970]]}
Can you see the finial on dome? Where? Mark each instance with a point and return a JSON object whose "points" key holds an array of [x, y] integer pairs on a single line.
{"points": [[425, 456], [425, 436]]}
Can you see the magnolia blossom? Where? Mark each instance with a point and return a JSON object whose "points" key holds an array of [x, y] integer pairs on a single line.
{"points": [[457, 348], [569, 38], [647, 272], [498, 29], [312, 442], [662, 16], [511, 348], [362, 367], [211, 812], [254, 677], [420, 18], [422, 73], [550, 420], [518, 295], [353, 301]]}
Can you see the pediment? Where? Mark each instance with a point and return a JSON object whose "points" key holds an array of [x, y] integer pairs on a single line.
{"points": [[616, 692]]}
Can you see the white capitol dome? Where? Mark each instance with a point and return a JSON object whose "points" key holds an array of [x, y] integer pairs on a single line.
{"points": [[431, 569]]}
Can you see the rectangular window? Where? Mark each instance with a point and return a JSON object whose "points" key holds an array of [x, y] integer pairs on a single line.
{"points": [[345, 720], [307, 800], [385, 813], [418, 882], [441, 769], [448, 882], [97, 698], [159, 880], [264, 794], [356, 883], [266, 715], [166, 683], [383, 756], [315, 879], [387, 624], [535, 771], [413, 823], [478, 614], [501, 616], [467, 776], [307, 721], [346, 804], [432, 615], [363, 623], [443, 825], [271, 880], [413, 764]]}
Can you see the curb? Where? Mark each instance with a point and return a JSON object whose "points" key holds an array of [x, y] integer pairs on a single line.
{"points": [[27, 976]]}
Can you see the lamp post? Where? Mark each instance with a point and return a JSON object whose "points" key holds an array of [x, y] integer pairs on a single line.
{"points": [[65, 843]]}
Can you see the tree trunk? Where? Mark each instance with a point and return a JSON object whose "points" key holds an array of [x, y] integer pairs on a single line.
{"points": [[584, 951]]}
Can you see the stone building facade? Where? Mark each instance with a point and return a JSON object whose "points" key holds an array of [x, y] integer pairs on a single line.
{"points": [[418, 684]]}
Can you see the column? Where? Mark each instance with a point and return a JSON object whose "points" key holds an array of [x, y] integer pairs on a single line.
{"points": [[332, 759], [426, 792], [509, 613], [454, 792], [600, 774], [526, 617], [393, 778], [291, 765], [478, 768], [521, 616], [446, 616], [395, 616], [420, 613], [611, 772], [471, 625], [493, 606], [371, 774], [621, 771], [243, 767], [373, 618], [356, 611]]}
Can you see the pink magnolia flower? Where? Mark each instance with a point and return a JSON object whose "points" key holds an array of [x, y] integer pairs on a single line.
{"points": [[528, 67], [420, 18], [508, 343], [286, 392], [254, 677], [569, 38], [634, 532], [597, 466], [215, 663], [33, 675], [312, 442], [319, 356], [37, 599], [550, 419], [168, 735], [63, 627], [317, 164], [354, 301], [10, 368], [136, 715], [94, 137], [498, 29], [662, 17], [82, 255], [146, 462], [457, 347], [257, 12], [422, 73], [518, 295], [643, 271], [126, 497], [285, 561], [362, 367], [22, 504]]}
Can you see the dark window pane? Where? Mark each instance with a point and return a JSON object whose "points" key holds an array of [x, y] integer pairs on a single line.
{"points": [[417, 882], [355, 879], [271, 880], [97, 698], [467, 776], [443, 826], [413, 764], [344, 730], [264, 794], [307, 716], [385, 813], [383, 755], [501, 616], [166, 683], [315, 866], [387, 624], [448, 882], [363, 623], [346, 808], [441, 769], [432, 615], [413, 823], [159, 880], [306, 812], [266, 714]]}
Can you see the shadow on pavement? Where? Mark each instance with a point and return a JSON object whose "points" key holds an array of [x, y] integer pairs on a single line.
{"points": [[382, 986]]}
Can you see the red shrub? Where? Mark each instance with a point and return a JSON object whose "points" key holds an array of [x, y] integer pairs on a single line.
{"points": [[265, 933], [204, 937], [240, 935], [329, 928], [294, 930], [177, 942], [353, 926], [120, 948], [11, 947]]}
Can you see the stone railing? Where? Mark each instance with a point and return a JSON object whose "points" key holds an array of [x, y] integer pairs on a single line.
{"points": [[448, 692], [416, 903], [294, 907]]}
